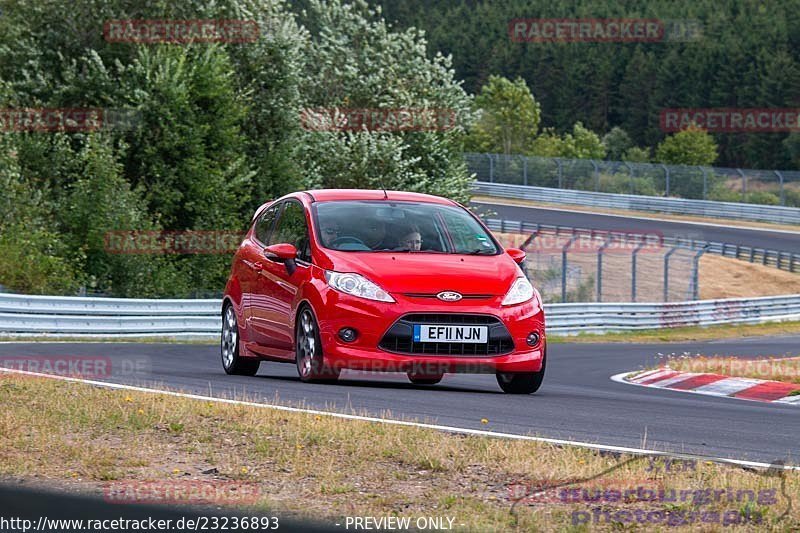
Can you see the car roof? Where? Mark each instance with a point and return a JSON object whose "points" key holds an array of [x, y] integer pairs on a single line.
{"points": [[330, 195]]}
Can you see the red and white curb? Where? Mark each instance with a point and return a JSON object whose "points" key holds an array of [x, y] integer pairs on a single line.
{"points": [[759, 390]]}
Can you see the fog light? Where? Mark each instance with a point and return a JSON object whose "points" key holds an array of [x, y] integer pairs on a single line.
{"points": [[348, 334], [533, 338]]}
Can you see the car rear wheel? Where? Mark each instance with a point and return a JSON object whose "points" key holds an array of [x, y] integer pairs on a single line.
{"points": [[425, 379], [308, 350], [522, 383], [229, 347]]}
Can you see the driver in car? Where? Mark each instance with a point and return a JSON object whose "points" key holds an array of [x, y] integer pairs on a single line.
{"points": [[373, 234], [330, 232]]}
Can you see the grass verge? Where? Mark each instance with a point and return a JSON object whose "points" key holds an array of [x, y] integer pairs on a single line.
{"points": [[325, 468], [687, 334]]}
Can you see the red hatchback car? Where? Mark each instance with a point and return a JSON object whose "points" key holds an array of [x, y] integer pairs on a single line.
{"points": [[380, 281]]}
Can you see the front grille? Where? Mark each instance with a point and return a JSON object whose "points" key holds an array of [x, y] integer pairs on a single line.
{"points": [[434, 295], [400, 337]]}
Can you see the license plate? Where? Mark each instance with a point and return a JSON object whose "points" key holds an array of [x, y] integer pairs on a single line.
{"points": [[440, 333]]}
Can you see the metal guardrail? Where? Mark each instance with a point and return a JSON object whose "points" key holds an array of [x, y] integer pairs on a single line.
{"points": [[78, 317], [764, 187], [775, 258], [677, 206]]}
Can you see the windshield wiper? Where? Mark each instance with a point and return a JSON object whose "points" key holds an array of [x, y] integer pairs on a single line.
{"points": [[481, 251]]}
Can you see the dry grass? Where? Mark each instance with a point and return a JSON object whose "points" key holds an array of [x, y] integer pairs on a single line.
{"points": [[785, 369], [81, 437], [642, 214], [687, 334], [725, 277]]}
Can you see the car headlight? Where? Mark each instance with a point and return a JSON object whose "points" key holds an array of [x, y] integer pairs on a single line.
{"points": [[356, 285], [521, 291]]}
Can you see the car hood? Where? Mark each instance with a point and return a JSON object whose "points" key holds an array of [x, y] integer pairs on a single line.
{"points": [[431, 273]]}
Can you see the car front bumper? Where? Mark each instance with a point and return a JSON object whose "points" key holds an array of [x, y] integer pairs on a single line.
{"points": [[372, 321]]}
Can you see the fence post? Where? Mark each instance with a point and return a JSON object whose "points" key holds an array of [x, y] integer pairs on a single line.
{"points": [[491, 168], [596, 168], [666, 179], [783, 195], [524, 170], [630, 173], [705, 183], [695, 275], [744, 184], [564, 251], [633, 270], [560, 173], [666, 272], [609, 240]]}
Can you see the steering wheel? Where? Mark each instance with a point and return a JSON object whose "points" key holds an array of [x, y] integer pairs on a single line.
{"points": [[339, 241]]}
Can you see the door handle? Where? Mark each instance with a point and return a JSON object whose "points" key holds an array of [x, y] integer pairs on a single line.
{"points": [[258, 265]]}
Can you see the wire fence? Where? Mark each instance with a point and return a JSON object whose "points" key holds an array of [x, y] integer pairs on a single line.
{"points": [[581, 265], [766, 187]]}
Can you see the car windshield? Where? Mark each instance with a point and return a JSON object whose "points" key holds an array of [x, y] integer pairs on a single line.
{"points": [[386, 226]]}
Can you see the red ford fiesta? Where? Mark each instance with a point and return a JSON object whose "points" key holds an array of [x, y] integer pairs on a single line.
{"points": [[380, 281]]}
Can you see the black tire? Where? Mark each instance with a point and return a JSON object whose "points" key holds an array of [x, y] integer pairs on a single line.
{"points": [[232, 363], [526, 383], [425, 379], [309, 358]]}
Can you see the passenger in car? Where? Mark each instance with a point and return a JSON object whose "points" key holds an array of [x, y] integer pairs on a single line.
{"points": [[411, 239]]}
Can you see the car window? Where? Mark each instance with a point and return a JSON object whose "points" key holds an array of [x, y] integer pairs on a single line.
{"points": [[264, 224], [292, 229], [381, 226]]}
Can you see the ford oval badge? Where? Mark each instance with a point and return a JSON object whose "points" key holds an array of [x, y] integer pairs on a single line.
{"points": [[449, 296]]}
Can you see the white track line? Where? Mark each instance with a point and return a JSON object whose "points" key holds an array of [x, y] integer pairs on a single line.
{"points": [[690, 222], [448, 429]]}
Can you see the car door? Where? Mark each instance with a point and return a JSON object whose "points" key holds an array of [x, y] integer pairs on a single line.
{"points": [[277, 291], [252, 259]]}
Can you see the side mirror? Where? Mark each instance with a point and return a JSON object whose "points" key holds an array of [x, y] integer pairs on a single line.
{"points": [[516, 254], [283, 253]]}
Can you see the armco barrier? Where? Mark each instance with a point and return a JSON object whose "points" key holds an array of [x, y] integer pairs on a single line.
{"points": [[50, 316], [677, 206]]}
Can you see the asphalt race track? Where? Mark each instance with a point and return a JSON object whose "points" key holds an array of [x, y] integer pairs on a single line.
{"points": [[773, 240], [577, 401]]}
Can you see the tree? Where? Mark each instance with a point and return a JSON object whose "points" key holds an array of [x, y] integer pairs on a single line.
{"points": [[582, 143], [792, 145], [509, 118], [692, 146], [635, 154], [616, 142], [354, 61]]}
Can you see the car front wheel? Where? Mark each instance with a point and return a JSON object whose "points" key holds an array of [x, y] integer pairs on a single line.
{"points": [[522, 383], [308, 347], [229, 347]]}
